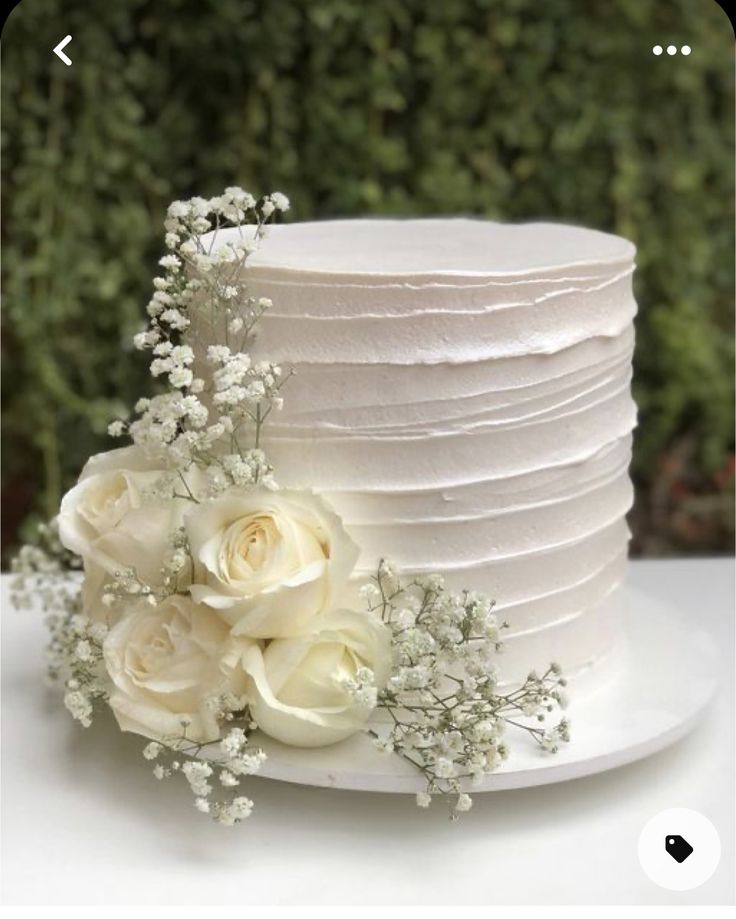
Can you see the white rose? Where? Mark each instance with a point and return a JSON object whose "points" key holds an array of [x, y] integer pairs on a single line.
{"points": [[297, 689], [165, 663], [268, 561], [106, 520]]}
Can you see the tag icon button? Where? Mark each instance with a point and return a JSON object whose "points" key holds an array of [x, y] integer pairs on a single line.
{"points": [[678, 847]]}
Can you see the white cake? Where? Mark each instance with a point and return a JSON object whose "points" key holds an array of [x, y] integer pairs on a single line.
{"points": [[462, 399]]}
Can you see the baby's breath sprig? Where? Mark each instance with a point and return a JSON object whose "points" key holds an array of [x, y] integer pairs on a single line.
{"points": [[127, 588], [213, 769], [214, 424], [36, 569], [44, 576], [75, 652], [448, 715], [74, 655]]}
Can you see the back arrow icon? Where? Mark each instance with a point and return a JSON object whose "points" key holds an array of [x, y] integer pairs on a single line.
{"points": [[59, 52]]}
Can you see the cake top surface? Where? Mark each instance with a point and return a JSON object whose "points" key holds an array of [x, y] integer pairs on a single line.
{"points": [[435, 246]]}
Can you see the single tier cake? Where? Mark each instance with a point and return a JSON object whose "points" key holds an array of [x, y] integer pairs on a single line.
{"points": [[462, 399]]}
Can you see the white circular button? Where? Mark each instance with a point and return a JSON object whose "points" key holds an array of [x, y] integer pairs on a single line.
{"points": [[657, 49], [679, 849], [671, 49]]}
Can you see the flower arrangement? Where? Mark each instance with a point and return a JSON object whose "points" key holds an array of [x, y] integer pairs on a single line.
{"points": [[211, 603]]}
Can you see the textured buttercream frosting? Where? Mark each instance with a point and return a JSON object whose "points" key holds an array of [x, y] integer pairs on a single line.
{"points": [[462, 399]]}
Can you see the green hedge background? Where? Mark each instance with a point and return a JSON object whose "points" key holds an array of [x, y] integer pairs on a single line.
{"points": [[513, 109]]}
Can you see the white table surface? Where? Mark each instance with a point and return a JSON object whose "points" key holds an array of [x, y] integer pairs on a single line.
{"points": [[85, 822]]}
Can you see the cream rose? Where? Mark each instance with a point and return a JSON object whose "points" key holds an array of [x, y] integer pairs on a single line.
{"points": [[165, 663], [268, 561], [106, 521], [297, 688]]}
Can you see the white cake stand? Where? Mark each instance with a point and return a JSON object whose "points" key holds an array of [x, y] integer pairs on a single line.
{"points": [[652, 689]]}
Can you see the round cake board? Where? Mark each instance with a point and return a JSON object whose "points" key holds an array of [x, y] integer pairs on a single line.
{"points": [[650, 691]]}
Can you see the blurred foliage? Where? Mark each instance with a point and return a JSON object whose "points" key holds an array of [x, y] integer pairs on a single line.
{"points": [[513, 109]]}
